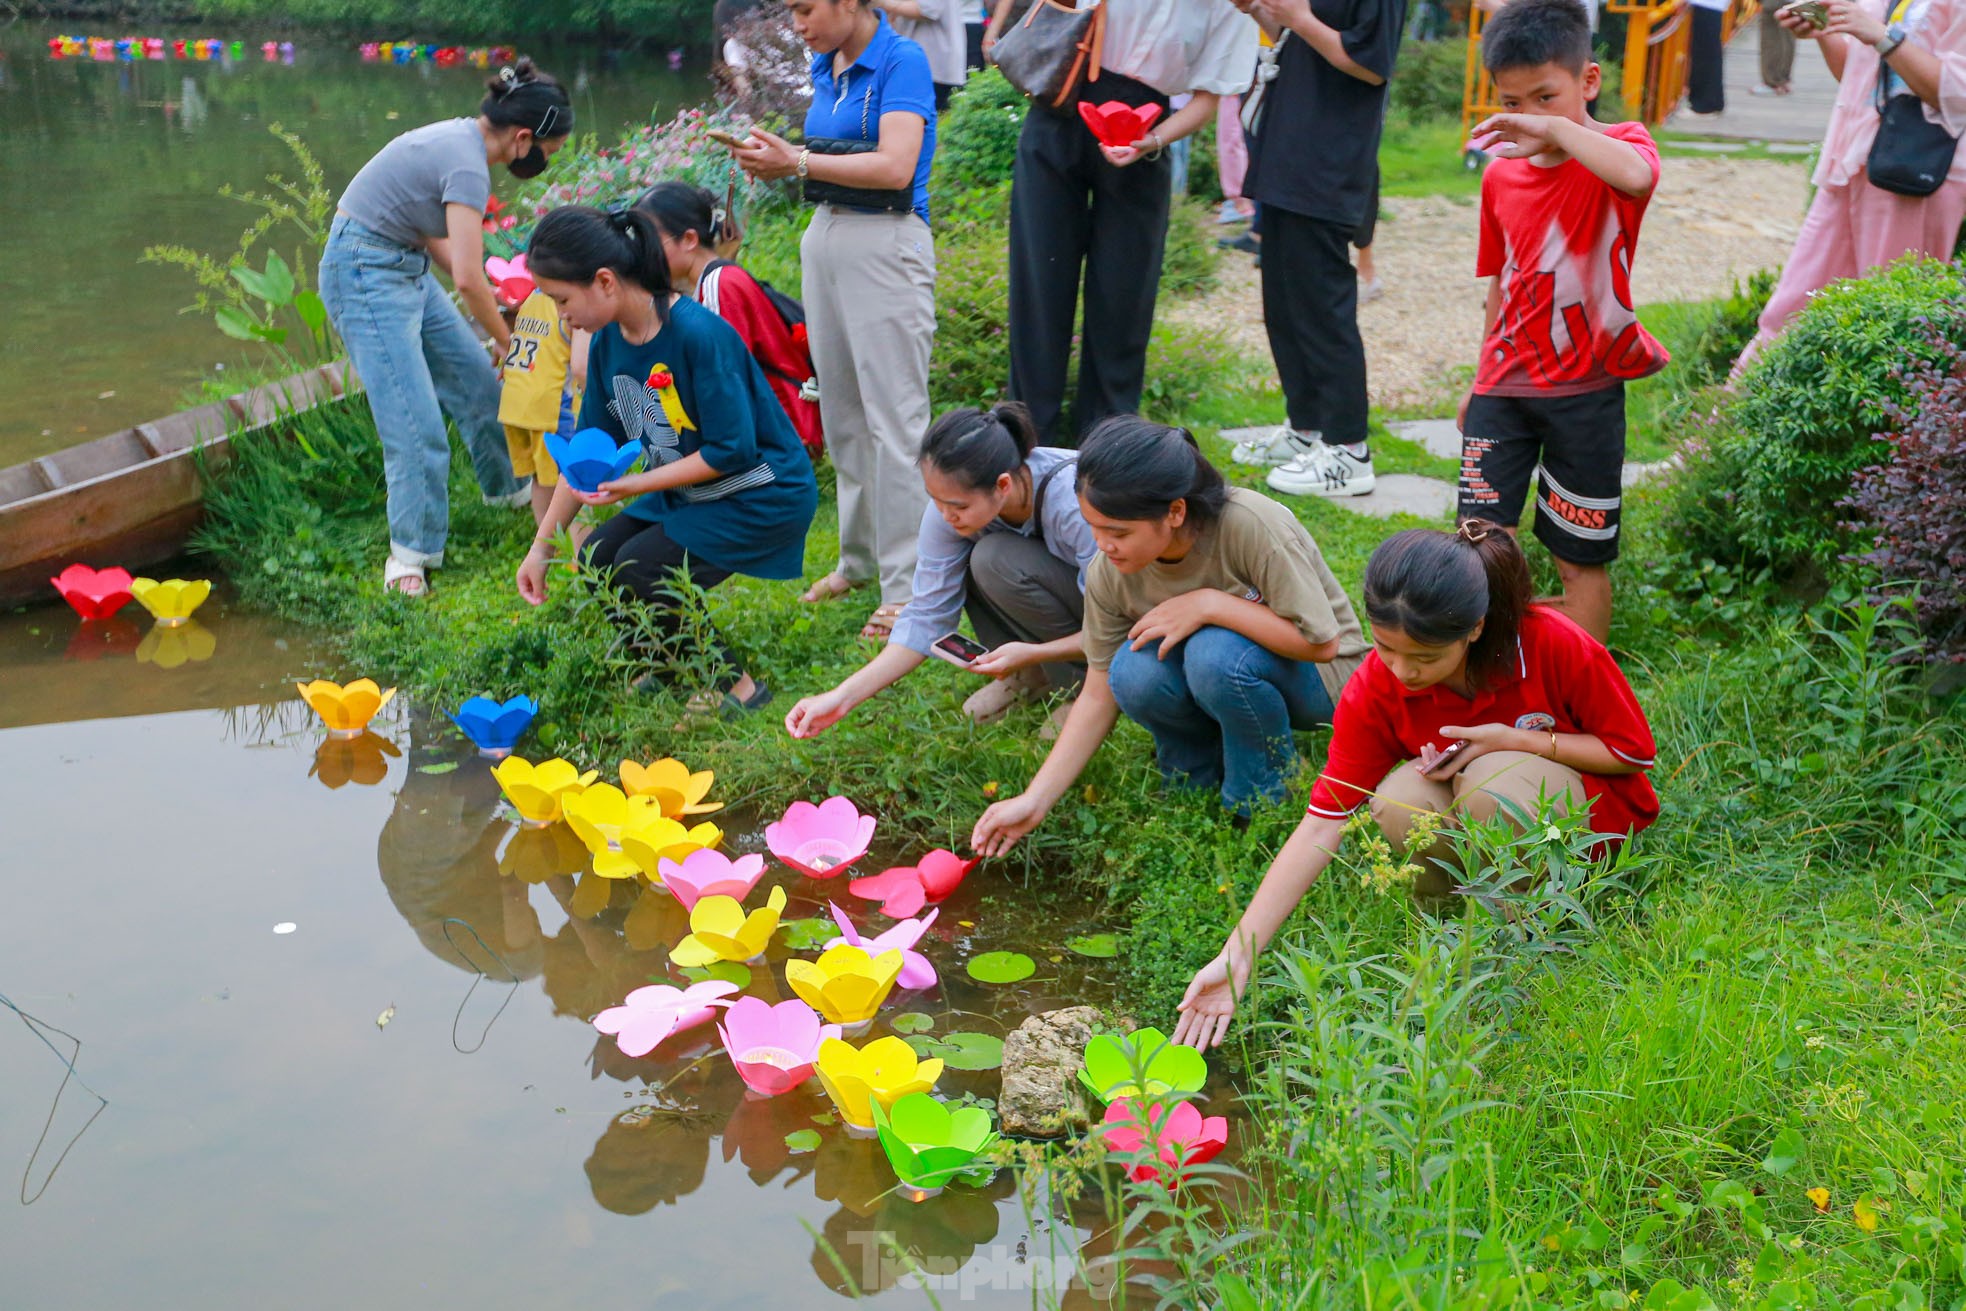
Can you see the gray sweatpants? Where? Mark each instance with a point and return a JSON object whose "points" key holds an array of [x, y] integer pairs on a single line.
{"points": [[1018, 591], [869, 285]]}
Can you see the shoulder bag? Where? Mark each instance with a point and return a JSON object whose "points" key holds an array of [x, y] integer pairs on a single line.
{"points": [[1911, 155], [1053, 51], [898, 201]]}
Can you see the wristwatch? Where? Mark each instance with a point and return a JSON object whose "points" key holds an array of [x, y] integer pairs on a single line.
{"points": [[805, 157], [1894, 36]]}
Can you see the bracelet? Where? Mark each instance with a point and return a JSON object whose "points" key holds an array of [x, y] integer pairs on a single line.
{"points": [[1552, 744], [805, 158], [1159, 145]]}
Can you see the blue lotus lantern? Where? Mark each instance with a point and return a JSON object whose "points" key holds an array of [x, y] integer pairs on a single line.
{"points": [[493, 728], [590, 457]]}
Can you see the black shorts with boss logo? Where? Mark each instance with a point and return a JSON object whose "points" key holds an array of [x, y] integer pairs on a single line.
{"points": [[1579, 441]]}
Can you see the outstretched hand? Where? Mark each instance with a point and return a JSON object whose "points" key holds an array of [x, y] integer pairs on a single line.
{"points": [[999, 828], [1210, 1002], [1519, 136]]}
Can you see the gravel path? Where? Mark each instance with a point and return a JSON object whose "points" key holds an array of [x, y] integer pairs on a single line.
{"points": [[1712, 221]]}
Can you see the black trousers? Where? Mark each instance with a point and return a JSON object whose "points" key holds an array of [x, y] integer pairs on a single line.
{"points": [[1310, 305], [1070, 209], [648, 567], [1706, 91]]}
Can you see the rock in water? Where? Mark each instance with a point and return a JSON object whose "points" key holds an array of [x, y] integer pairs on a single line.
{"points": [[1041, 1058]]}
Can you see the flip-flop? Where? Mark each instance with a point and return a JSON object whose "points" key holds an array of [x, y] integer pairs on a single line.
{"points": [[394, 571], [831, 587], [880, 624]]}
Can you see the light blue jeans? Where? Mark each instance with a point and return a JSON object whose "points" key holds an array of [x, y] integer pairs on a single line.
{"points": [[418, 361], [1221, 709]]}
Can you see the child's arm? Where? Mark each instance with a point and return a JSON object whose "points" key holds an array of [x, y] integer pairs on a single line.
{"points": [[1524, 136], [577, 359]]}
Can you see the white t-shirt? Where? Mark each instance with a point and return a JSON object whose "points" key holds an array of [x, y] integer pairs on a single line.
{"points": [[941, 35], [1180, 45]]}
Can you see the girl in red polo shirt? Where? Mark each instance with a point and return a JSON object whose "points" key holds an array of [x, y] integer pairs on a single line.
{"points": [[1537, 707]]}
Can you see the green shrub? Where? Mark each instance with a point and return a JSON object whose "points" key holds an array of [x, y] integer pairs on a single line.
{"points": [[1762, 485], [1429, 79], [976, 140]]}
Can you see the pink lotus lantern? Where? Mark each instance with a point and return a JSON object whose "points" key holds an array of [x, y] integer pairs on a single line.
{"points": [[649, 1015], [514, 283], [708, 873], [821, 840], [773, 1047], [95, 593], [916, 971], [1179, 1135], [907, 888]]}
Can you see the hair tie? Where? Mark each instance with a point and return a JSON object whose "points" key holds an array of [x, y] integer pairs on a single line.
{"points": [[510, 79], [1467, 532]]}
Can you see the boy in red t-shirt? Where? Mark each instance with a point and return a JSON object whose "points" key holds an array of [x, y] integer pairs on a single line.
{"points": [[1560, 210]]}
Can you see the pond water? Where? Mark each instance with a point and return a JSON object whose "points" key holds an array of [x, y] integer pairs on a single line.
{"points": [[262, 1139], [100, 160]]}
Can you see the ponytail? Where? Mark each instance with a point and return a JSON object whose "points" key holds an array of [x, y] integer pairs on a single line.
{"points": [[679, 209], [1134, 468], [1435, 587], [575, 242], [977, 447]]}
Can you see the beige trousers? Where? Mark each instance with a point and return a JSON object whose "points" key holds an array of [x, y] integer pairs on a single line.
{"points": [[869, 287], [1478, 789]]}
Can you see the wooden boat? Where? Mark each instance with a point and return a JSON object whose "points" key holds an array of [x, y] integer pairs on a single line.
{"points": [[133, 497]]}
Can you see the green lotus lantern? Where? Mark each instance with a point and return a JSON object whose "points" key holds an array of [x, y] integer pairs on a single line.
{"points": [[1144, 1063], [929, 1145]]}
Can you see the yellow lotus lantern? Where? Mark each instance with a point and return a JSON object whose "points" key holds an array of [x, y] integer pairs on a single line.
{"points": [[847, 984], [883, 1071], [720, 930], [598, 815], [170, 602], [345, 710], [647, 840], [540, 792], [674, 787]]}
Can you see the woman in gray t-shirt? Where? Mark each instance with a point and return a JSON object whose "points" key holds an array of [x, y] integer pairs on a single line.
{"points": [[421, 200]]}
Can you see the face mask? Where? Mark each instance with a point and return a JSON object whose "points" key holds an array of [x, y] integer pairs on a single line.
{"points": [[529, 165]]}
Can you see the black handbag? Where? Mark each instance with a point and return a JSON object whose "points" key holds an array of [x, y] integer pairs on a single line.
{"points": [[1052, 51], [898, 201], [1911, 154]]}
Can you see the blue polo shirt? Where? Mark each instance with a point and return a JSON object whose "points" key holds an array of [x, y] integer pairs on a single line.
{"points": [[890, 77]]}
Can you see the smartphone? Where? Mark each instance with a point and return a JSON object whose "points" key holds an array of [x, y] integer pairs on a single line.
{"points": [[724, 138], [1813, 10], [1452, 750], [959, 650]]}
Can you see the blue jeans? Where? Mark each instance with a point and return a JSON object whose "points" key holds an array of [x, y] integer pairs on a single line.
{"points": [[418, 361], [1221, 709]]}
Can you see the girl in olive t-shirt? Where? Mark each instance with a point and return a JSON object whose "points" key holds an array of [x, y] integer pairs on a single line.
{"points": [[1211, 619]]}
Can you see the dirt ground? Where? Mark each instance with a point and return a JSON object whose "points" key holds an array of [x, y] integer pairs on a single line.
{"points": [[1712, 221]]}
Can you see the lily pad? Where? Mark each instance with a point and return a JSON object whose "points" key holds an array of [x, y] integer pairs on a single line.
{"points": [[1099, 946], [803, 1140], [1002, 967], [970, 1051], [911, 1022], [809, 934], [723, 971], [446, 767]]}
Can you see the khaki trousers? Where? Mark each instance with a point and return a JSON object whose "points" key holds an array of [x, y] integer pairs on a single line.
{"points": [[1477, 790], [869, 287]]}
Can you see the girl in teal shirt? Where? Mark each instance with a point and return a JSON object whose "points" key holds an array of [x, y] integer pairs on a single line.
{"points": [[725, 487]]}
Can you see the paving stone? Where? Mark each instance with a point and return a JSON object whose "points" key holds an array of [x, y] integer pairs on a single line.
{"points": [[1636, 473], [1401, 493], [1440, 436]]}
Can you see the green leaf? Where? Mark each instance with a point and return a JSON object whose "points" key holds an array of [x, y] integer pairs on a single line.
{"points": [[443, 767], [1783, 1153], [1002, 967], [1769, 1263], [802, 1140], [966, 1051], [911, 1022], [237, 324], [1232, 1293], [724, 971], [809, 934], [255, 283], [1099, 946], [279, 279], [312, 311]]}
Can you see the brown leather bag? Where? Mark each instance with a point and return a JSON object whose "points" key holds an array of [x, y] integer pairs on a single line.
{"points": [[1052, 51]]}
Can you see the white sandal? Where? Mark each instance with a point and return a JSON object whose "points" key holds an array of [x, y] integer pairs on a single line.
{"points": [[394, 571]]}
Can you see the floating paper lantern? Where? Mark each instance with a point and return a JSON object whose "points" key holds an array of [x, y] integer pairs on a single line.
{"points": [[540, 792], [601, 811], [649, 1015], [649, 838], [883, 1071], [1144, 1063], [171, 601], [94, 593], [671, 783], [1178, 1136], [345, 710], [930, 1145], [720, 930], [590, 457], [847, 984], [773, 1047], [495, 727], [916, 970], [821, 840], [705, 873], [905, 889]]}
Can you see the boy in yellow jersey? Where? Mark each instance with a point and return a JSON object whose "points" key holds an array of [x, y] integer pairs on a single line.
{"points": [[543, 373]]}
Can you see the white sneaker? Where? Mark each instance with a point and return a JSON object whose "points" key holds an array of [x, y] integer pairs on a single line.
{"points": [[1326, 471], [1280, 447]]}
